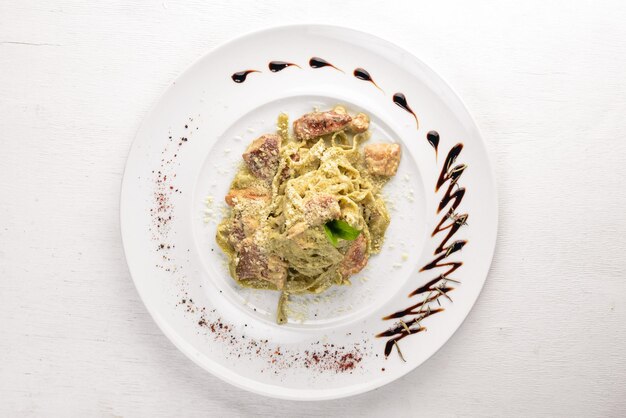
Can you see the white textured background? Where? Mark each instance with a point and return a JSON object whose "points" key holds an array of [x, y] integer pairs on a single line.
{"points": [[546, 82]]}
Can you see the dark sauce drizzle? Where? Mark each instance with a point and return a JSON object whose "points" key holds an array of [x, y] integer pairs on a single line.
{"points": [[433, 139], [437, 287], [363, 74], [400, 100], [317, 62], [276, 66], [240, 76]]}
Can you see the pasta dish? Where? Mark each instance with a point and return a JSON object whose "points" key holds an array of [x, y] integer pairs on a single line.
{"points": [[305, 206]]}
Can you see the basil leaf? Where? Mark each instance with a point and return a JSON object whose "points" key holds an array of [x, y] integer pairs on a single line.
{"points": [[331, 237], [342, 229]]}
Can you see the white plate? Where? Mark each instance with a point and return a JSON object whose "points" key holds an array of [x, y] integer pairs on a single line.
{"points": [[188, 148]]}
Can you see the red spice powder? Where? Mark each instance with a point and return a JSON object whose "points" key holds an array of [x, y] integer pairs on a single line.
{"points": [[322, 357]]}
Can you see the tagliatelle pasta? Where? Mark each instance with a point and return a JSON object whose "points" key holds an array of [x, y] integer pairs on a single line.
{"points": [[306, 210]]}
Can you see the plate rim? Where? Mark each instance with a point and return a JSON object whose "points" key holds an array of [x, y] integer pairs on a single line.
{"points": [[223, 372]]}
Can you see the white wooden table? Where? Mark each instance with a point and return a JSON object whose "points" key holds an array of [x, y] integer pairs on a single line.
{"points": [[546, 82]]}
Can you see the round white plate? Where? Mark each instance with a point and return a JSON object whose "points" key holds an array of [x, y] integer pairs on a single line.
{"points": [[344, 341]]}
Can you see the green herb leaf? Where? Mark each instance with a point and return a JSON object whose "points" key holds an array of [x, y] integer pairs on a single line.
{"points": [[340, 229], [331, 237]]}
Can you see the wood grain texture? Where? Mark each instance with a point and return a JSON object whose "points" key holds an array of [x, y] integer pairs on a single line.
{"points": [[546, 84]]}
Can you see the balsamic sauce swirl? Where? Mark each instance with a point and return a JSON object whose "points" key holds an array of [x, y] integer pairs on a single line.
{"points": [[240, 76], [317, 62], [363, 74], [433, 139], [276, 66], [438, 286], [400, 100]]}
